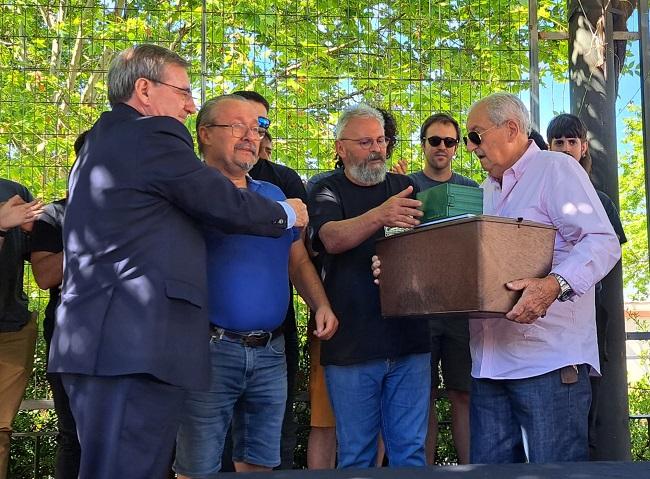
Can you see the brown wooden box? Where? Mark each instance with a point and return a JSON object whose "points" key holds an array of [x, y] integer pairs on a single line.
{"points": [[460, 267]]}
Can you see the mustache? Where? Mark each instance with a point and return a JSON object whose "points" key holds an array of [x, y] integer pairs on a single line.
{"points": [[246, 146], [375, 156]]}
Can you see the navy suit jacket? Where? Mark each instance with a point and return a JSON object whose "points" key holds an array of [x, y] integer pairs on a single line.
{"points": [[133, 299]]}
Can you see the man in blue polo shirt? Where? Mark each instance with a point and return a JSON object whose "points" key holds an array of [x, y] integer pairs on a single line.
{"points": [[248, 287]]}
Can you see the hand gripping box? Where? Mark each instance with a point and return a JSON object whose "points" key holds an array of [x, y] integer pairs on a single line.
{"points": [[460, 267]]}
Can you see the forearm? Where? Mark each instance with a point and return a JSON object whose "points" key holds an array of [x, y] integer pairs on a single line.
{"points": [[341, 236], [47, 269], [305, 278], [589, 261]]}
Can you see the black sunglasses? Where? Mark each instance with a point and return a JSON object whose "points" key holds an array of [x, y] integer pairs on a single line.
{"points": [[476, 137], [448, 141]]}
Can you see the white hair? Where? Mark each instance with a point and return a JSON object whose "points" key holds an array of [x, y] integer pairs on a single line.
{"points": [[503, 106], [359, 111]]}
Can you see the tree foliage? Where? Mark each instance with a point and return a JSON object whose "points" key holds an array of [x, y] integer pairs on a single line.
{"points": [[310, 58], [636, 275]]}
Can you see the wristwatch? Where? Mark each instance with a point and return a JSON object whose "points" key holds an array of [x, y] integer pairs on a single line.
{"points": [[565, 288]]}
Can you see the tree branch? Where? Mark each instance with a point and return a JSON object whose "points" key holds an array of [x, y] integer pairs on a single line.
{"points": [[75, 64]]}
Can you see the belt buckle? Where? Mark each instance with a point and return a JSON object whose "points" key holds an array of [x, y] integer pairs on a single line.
{"points": [[256, 339]]}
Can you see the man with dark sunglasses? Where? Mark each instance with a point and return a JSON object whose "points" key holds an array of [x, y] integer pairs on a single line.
{"points": [[530, 375], [439, 137]]}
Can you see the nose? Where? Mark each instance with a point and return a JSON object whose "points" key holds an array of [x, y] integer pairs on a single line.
{"points": [[251, 135], [470, 146], [190, 106]]}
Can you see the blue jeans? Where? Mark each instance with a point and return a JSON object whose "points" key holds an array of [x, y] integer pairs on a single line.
{"points": [[538, 419], [248, 386], [387, 395]]}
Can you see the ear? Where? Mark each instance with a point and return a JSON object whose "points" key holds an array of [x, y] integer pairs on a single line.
{"points": [[141, 90], [340, 151], [513, 130], [204, 136], [584, 147]]}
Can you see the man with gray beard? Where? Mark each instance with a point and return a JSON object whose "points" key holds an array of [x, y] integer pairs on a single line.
{"points": [[377, 371]]}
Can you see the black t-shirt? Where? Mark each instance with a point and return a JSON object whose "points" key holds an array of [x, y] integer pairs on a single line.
{"points": [[47, 235], [14, 251], [363, 334], [613, 216], [281, 176], [291, 185]]}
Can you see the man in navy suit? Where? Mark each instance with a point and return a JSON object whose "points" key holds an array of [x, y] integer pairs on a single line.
{"points": [[131, 326]]}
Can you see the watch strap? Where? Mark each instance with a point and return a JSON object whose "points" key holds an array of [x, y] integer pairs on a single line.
{"points": [[565, 288]]}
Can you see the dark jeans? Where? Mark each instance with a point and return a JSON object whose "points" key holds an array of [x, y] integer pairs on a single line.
{"points": [[68, 452], [539, 419]]}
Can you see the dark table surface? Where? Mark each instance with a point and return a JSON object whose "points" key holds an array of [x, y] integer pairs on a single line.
{"points": [[569, 470]]}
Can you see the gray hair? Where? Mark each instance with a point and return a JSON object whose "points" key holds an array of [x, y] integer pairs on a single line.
{"points": [[503, 106], [140, 61], [359, 111], [205, 113]]}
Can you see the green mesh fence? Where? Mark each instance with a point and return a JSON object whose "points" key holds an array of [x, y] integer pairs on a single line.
{"points": [[310, 58]]}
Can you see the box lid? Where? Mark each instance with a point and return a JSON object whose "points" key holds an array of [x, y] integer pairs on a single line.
{"points": [[444, 223]]}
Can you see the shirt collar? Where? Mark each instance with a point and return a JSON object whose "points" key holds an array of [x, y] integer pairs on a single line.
{"points": [[252, 184], [518, 168], [522, 163]]}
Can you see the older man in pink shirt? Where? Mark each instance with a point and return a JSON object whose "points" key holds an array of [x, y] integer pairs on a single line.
{"points": [[530, 387]]}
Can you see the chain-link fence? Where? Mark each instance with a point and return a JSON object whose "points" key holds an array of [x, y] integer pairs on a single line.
{"points": [[309, 58]]}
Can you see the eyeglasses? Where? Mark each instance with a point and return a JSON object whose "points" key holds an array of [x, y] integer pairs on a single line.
{"points": [[239, 130], [186, 92], [436, 140], [366, 143], [475, 137]]}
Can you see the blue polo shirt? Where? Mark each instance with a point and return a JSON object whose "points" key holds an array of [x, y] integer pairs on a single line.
{"points": [[248, 276]]}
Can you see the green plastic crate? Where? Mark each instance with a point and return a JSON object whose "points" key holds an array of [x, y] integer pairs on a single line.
{"points": [[447, 200]]}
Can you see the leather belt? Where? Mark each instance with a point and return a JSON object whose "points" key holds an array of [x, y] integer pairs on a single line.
{"points": [[253, 339]]}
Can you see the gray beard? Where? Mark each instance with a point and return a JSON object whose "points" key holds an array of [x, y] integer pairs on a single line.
{"points": [[366, 175], [246, 167]]}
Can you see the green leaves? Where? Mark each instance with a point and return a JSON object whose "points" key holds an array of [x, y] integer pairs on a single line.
{"points": [[310, 58], [632, 200]]}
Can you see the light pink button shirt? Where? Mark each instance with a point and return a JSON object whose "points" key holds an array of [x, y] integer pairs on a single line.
{"points": [[550, 188]]}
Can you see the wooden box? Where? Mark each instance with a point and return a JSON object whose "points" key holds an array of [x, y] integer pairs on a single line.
{"points": [[460, 267]]}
